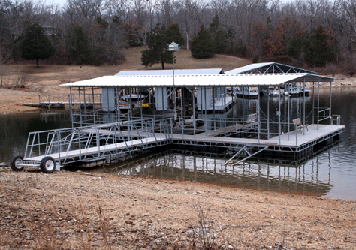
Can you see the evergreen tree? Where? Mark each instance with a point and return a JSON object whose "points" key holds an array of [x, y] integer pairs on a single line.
{"points": [[203, 45], [78, 46], [319, 49], [173, 34], [157, 48], [219, 34], [35, 45]]}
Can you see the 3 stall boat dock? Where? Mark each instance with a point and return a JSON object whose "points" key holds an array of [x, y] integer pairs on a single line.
{"points": [[186, 111]]}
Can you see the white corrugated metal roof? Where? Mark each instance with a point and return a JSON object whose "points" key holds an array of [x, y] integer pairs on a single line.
{"points": [[253, 66], [193, 80], [248, 68], [170, 72]]}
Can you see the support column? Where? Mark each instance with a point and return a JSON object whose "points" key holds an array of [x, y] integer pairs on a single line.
{"points": [[93, 97], [331, 118], [304, 106], [80, 110], [194, 123], [268, 128], [214, 108], [84, 101], [288, 114], [279, 117], [258, 115], [206, 112], [317, 126], [70, 106], [313, 103]]}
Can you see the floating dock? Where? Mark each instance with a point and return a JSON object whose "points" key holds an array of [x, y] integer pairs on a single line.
{"points": [[109, 143], [267, 130]]}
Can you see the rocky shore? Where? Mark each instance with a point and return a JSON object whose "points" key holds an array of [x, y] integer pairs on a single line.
{"points": [[90, 210]]}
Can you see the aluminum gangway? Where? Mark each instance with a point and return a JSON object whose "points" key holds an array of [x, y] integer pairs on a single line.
{"points": [[93, 145]]}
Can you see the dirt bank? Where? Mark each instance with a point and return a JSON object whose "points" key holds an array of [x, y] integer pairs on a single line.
{"points": [[84, 210]]}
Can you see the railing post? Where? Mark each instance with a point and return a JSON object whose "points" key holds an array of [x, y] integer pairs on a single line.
{"points": [[98, 140], [296, 134]]}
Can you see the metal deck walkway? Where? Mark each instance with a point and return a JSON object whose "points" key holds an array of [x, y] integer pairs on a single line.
{"points": [[101, 149]]}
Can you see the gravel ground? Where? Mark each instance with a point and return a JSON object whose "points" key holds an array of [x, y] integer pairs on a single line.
{"points": [[84, 210]]}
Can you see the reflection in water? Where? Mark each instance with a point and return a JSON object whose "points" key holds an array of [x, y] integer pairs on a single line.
{"points": [[14, 130], [176, 165]]}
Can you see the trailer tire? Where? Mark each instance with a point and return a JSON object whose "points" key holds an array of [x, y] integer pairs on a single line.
{"points": [[16, 160], [48, 165]]}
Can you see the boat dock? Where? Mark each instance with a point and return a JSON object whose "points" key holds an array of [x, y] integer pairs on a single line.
{"points": [[238, 130], [109, 143]]}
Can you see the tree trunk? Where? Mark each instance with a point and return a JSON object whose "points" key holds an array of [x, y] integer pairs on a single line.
{"points": [[162, 63]]}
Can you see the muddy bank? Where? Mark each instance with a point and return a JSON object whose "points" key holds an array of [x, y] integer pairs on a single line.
{"points": [[94, 210]]}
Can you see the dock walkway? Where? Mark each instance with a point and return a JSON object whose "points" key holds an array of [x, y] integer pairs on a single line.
{"points": [[100, 149], [294, 140]]}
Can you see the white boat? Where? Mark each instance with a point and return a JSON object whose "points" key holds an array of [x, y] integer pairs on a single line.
{"points": [[276, 92], [245, 92], [128, 102], [296, 91]]}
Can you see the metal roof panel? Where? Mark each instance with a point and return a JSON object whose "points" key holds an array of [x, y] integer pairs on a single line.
{"points": [[196, 80], [170, 72]]}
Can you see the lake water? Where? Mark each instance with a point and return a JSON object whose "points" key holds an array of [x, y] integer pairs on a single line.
{"points": [[331, 173]]}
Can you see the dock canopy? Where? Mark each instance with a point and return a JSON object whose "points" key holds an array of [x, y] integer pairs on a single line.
{"points": [[258, 80], [170, 72], [268, 68]]}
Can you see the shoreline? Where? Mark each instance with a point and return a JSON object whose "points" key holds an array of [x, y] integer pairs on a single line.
{"points": [[99, 210]]}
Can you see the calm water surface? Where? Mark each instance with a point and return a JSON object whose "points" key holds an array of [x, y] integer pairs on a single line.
{"points": [[14, 129], [331, 173]]}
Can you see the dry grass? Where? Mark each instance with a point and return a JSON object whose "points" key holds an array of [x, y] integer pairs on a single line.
{"points": [[76, 210]]}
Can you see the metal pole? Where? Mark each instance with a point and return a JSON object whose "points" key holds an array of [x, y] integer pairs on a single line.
{"points": [[268, 100], [194, 123], [304, 107], [258, 115], [175, 95], [130, 109], [80, 111], [288, 114], [181, 102], [313, 122], [331, 120], [85, 103], [92, 94], [206, 113], [279, 117], [118, 101], [214, 108], [317, 126], [70, 106], [141, 103]]}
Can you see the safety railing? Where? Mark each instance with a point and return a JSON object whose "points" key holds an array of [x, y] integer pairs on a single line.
{"points": [[49, 98], [94, 141]]}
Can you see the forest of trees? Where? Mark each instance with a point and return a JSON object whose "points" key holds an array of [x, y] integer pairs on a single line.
{"points": [[304, 33]]}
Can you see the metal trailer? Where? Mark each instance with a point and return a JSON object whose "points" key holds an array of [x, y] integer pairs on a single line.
{"points": [[93, 145]]}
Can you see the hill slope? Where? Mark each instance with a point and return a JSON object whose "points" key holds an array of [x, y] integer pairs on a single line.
{"points": [[46, 79]]}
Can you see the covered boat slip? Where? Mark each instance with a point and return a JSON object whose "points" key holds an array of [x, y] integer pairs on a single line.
{"points": [[209, 100], [192, 110]]}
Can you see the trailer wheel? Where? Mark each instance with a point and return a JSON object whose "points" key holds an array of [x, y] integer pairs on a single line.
{"points": [[15, 162], [48, 164]]}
